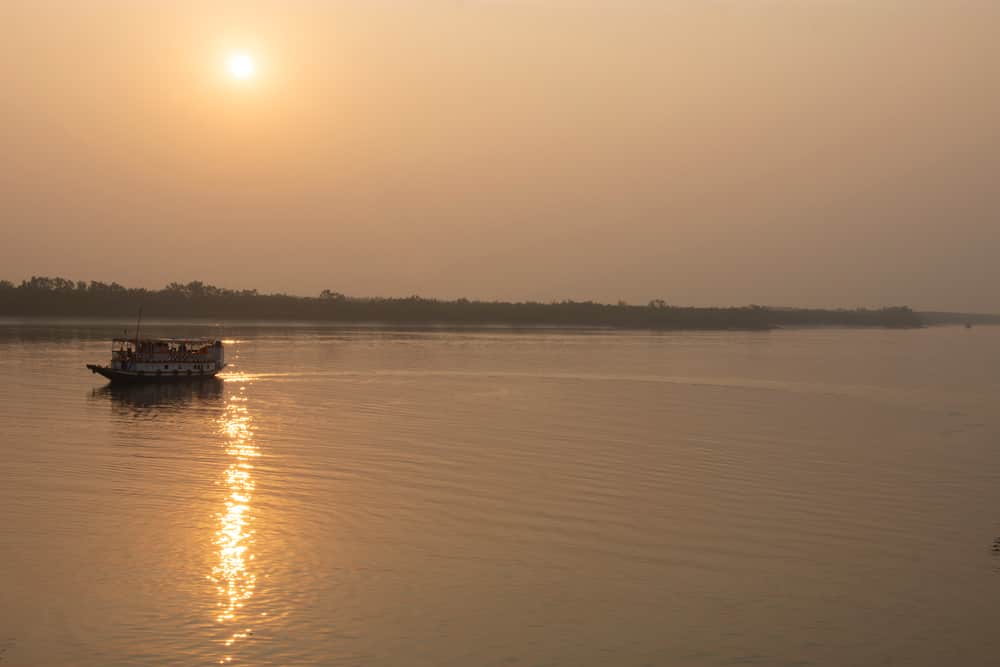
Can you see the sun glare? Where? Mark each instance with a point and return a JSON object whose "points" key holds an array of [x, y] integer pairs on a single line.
{"points": [[241, 65]]}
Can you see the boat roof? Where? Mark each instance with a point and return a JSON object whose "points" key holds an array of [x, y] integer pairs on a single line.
{"points": [[190, 341]]}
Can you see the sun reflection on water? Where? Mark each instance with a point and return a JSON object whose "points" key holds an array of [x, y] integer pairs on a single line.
{"points": [[233, 574]]}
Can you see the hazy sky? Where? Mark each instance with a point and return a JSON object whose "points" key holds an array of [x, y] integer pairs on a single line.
{"points": [[793, 152]]}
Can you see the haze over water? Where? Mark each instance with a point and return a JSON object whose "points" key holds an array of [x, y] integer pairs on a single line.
{"points": [[366, 496]]}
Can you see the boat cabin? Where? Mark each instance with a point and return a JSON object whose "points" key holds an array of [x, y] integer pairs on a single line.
{"points": [[168, 356]]}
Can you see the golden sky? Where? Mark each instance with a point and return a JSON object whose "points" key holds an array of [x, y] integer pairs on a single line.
{"points": [[799, 152]]}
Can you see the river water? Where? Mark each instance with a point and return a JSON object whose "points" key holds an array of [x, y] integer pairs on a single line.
{"points": [[369, 496]]}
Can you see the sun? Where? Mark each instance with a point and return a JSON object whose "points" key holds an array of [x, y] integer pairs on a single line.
{"points": [[241, 65]]}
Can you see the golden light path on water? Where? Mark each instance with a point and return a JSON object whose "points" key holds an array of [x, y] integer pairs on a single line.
{"points": [[233, 573]]}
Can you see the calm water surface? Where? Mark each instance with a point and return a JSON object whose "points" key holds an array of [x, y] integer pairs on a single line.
{"points": [[378, 497]]}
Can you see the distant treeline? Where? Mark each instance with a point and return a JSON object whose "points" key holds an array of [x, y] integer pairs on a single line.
{"points": [[959, 318], [58, 297]]}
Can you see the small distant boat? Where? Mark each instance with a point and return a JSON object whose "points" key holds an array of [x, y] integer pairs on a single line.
{"points": [[162, 360]]}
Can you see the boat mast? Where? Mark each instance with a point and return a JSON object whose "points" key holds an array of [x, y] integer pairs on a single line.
{"points": [[137, 323]]}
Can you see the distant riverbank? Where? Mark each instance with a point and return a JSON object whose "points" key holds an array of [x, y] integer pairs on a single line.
{"points": [[59, 297]]}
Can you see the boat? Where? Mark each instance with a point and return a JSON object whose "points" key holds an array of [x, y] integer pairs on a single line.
{"points": [[162, 360]]}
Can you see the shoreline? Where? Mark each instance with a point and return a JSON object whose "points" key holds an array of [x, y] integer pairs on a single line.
{"points": [[116, 321]]}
